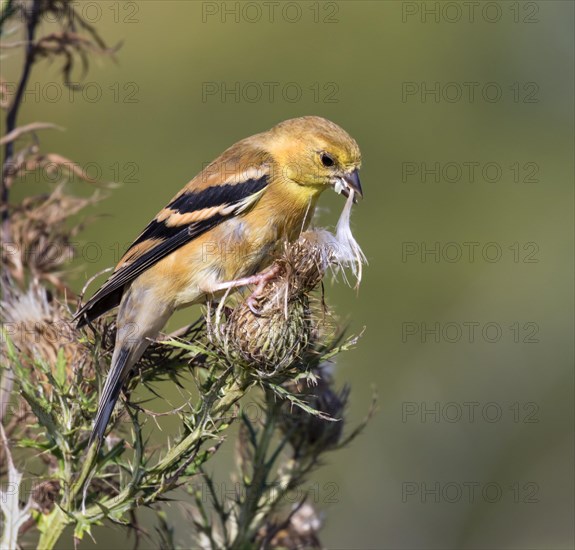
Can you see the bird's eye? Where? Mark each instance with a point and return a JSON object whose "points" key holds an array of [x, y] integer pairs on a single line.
{"points": [[327, 160]]}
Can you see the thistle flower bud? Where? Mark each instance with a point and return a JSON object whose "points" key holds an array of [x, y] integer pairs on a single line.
{"points": [[45, 495], [300, 530], [309, 432]]}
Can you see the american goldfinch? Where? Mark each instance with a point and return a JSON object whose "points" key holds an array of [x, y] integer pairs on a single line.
{"points": [[220, 231]]}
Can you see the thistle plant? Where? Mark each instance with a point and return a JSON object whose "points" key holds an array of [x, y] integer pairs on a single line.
{"points": [[52, 483], [303, 416]]}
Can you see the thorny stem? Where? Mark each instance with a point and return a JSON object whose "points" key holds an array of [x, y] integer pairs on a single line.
{"points": [[12, 116], [53, 526], [257, 485], [232, 395], [87, 469], [59, 518], [124, 501]]}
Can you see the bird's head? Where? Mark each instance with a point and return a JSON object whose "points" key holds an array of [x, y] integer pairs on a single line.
{"points": [[316, 154]]}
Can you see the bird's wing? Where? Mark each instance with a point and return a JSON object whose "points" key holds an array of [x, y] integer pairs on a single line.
{"points": [[215, 195]]}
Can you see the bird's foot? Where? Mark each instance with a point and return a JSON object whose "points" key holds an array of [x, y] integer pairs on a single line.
{"points": [[260, 280]]}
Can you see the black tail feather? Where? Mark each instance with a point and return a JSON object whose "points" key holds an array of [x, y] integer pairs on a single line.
{"points": [[110, 394]]}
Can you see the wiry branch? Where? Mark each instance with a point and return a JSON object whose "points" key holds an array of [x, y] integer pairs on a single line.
{"points": [[12, 117]]}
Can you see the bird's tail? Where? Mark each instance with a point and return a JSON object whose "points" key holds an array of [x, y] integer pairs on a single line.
{"points": [[122, 363], [140, 319]]}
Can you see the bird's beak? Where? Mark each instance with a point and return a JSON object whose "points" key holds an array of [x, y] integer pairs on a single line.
{"points": [[347, 182]]}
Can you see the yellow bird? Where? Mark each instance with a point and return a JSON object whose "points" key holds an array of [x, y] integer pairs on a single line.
{"points": [[221, 231]]}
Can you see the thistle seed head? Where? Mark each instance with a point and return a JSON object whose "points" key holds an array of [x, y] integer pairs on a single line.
{"points": [[289, 320]]}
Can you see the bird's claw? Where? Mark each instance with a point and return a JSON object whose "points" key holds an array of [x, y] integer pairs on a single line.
{"points": [[261, 281], [251, 302]]}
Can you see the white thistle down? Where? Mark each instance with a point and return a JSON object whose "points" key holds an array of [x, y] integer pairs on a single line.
{"points": [[341, 250]]}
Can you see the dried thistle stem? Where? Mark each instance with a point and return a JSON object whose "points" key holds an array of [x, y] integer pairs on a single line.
{"points": [[12, 116]]}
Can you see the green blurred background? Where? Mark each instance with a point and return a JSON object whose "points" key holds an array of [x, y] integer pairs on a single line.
{"points": [[442, 169]]}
